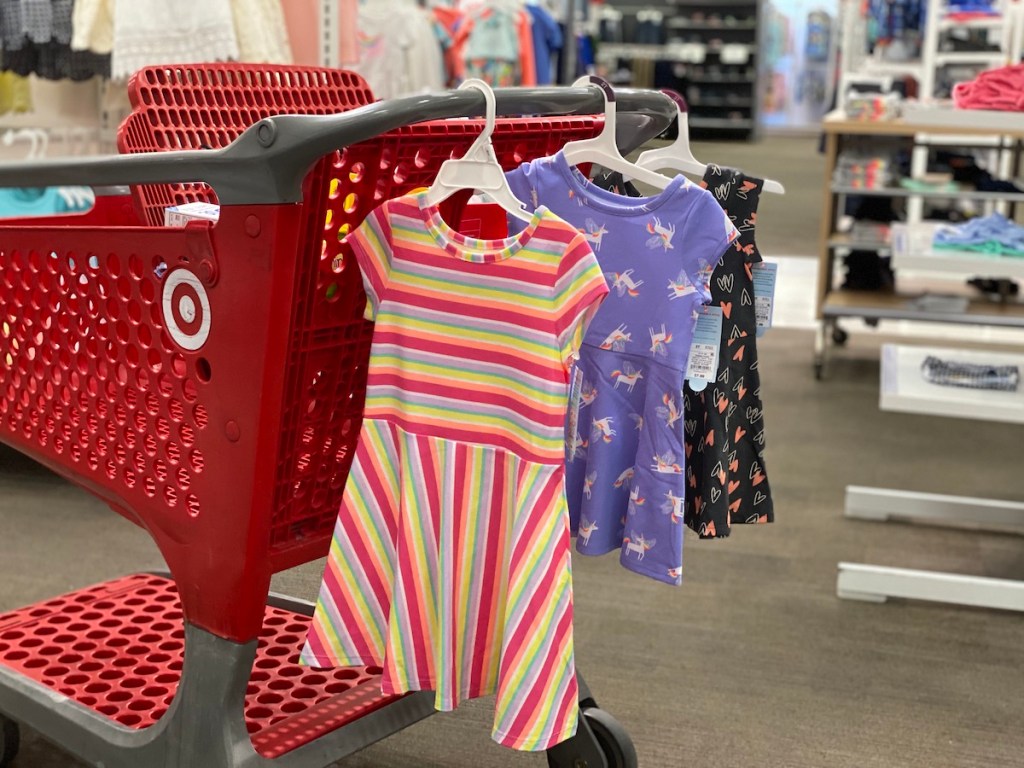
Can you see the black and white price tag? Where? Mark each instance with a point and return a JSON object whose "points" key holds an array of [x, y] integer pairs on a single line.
{"points": [[765, 274], [702, 365]]}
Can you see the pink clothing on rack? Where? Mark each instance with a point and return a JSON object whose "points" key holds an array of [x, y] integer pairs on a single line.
{"points": [[348, 40], [998, 89], [302, 17]]}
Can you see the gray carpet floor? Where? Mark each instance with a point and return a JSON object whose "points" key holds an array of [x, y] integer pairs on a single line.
{"points": [[753, 662]]}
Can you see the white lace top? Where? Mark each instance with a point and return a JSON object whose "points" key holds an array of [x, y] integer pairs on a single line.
{"points": [[180, 32]]}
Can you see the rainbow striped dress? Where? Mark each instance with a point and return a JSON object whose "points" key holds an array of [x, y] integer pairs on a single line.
{"points": [[450, 564]]}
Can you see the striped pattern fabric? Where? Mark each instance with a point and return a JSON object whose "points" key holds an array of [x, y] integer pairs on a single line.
{"points": [[450, 564]]}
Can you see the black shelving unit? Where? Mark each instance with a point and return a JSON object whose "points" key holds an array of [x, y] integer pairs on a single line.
{"points": [[723, 95]]}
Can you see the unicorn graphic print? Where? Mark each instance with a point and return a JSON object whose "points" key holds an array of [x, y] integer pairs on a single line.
{"points": [[628, 474]]}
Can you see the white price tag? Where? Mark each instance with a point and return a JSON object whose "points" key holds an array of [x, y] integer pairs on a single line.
{"points": [[702, 365], [763, 310], [765, 275]]}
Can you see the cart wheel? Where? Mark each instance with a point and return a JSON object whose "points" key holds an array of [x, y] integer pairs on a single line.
{"points": [[10, 740], [613, 739], [839, 336]]}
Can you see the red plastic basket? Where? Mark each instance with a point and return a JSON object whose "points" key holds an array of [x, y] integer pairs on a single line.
{"points": [[234, 454], [208, 106]]}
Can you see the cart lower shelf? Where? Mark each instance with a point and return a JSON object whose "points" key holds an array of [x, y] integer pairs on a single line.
{"points": [[118, 649]]}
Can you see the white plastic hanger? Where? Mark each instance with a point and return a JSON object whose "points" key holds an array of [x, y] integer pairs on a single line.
{"points": [[34, 135], [678, 156], [479, 168], [602, 149]]}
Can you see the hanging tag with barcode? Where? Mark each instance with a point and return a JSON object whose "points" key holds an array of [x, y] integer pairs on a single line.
{"points": [[765, 274], [702, 367]]}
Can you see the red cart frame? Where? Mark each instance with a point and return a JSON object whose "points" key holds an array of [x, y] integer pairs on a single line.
{"points": [[207, 383]]}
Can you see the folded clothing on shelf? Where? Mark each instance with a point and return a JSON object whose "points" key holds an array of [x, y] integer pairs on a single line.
{"points": [[872, 106], [997, 89], [971, 7], [931, 186], [994, 234], [960, 16], [948, 373], [863, 171]]}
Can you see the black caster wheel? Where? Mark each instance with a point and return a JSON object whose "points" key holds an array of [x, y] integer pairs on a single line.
{"points": [[10, 740], [613, 739], [839, 336]]}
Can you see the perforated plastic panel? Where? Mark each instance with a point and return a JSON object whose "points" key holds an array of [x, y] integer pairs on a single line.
{"points": [[118, 649], [89, 375], [207, 106]]}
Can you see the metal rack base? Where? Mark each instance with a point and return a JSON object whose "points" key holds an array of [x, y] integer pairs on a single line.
{"points": [[876, 583]]}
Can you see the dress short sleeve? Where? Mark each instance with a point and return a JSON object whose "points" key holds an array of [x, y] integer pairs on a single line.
{"points": [[371, 245], [712, 233], [579, 290], [523, 183]]}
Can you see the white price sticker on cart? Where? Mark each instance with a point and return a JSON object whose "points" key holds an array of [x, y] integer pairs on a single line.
{"points": [[765, 274], [702, 366]]}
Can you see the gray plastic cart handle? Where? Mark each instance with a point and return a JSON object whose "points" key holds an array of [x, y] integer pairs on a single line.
{"points": [[268, 162]]}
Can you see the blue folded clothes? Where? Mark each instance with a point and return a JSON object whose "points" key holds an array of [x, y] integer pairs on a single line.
{"points": [[993, 234], [971, 6]]}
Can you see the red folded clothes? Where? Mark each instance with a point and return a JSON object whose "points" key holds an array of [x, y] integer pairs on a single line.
{"points": [[999, 89], [970, 15]]}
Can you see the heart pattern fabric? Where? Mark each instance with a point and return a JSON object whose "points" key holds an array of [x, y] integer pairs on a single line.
{"points": [[741, 495]]}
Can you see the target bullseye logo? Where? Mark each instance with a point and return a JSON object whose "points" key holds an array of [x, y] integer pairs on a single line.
{"points": [[186, 309]]}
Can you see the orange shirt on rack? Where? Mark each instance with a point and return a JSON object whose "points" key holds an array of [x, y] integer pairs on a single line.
{"points": [[527, 58]]}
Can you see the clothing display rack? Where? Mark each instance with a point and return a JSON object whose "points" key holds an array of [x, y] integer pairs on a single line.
{"points": [[934, 69], [708, 51], [219, 409], [931, 271]]}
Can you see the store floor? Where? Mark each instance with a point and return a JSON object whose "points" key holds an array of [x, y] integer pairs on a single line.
{"points": [[753, 662]]}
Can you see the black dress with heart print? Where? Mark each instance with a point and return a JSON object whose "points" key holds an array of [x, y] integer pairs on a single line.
{"points": [[727, 440], [724, 424]]}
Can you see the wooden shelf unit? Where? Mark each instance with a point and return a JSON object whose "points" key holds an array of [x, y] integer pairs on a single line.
{"points": [[922, 127]]}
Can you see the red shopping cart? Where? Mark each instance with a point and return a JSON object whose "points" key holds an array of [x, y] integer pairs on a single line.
{"points": [[207, 382]]}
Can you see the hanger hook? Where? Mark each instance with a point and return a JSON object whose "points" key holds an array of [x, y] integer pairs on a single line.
{"points": [[677, 98], [491, 115], [609, 101], [600, 82]]}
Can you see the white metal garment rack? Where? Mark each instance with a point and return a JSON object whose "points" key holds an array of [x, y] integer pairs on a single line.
{"points": [[875, 583]]}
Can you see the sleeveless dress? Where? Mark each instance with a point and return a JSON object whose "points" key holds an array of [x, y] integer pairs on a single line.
{"points": [[450, 564], [725, 433], [625, 476]]}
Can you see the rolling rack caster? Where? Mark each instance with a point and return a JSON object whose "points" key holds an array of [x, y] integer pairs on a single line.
{"points": [[600, 741], [207, 383]]}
